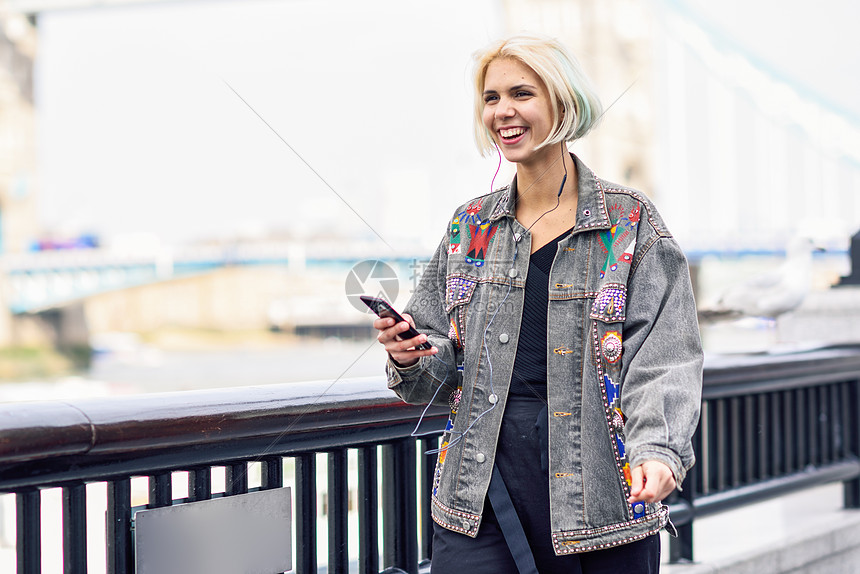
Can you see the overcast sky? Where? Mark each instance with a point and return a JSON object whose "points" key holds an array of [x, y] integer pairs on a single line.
{"points": [[142, 130]]}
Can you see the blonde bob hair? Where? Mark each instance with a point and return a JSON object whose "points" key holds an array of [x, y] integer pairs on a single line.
{"points": [[569, 89]]}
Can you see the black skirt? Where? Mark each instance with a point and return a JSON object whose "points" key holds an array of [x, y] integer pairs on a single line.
{"points": [[521, 458]]}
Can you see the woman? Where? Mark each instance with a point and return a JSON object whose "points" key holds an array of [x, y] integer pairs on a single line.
{"points": [[564, 338]]}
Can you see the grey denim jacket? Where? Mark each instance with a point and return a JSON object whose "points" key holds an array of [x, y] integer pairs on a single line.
{"points": [[624, 359]]}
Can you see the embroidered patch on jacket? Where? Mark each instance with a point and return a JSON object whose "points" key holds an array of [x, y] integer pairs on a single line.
{"points": [[479, 242], [611, 346], [611, 388], [458, 290], [454, 333], [609, 304], [622, 233], [470, 214], [454, 243]]}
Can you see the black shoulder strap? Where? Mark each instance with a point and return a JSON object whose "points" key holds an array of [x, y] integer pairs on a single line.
{"points": [[510, 524]]}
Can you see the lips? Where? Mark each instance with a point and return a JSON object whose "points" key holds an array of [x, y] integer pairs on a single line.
{"points": [[511, 135]]}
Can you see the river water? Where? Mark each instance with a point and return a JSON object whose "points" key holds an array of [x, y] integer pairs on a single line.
{"points": [[149, 369]]}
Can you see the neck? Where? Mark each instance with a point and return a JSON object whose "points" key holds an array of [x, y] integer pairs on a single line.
{"points": [[539, 184]]}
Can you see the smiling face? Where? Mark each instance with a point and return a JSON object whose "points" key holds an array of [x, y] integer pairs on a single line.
{"points": [[517, 111]]}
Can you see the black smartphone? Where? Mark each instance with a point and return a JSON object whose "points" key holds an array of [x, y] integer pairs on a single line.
{"points": [[382, 308]]}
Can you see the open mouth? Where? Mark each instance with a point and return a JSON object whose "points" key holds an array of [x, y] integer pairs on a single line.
{"points": [[511, 134]]}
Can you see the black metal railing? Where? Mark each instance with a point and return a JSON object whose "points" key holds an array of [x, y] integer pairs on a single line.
{"points": [[770, 425]]}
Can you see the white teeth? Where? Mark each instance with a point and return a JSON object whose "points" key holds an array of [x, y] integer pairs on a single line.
{"points": [[512, 132]]}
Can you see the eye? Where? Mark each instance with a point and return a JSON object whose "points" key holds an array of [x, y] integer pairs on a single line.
{"points": [[523, 94], [489, 98]]}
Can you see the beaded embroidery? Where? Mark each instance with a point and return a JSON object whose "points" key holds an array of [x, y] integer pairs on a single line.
{"points": [[609, 304], [611, 346]]}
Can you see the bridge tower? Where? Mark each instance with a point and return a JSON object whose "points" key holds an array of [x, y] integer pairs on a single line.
{"points": [[18, 221]]}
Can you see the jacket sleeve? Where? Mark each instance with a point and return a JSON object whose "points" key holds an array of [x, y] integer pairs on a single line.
{"points": [[434, 377], [662, 361]]}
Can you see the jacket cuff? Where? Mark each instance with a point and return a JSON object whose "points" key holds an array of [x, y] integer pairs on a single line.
{"points": [[396, 373], [664, 455]]}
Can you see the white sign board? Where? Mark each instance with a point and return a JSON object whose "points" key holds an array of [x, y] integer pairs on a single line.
{"points": [[243, 534]]}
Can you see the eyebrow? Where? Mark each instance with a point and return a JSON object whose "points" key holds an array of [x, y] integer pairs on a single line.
{"points": [[512, 89]]}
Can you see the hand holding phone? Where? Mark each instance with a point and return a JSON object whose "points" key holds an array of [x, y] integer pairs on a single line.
{"points": [[383, 309]]}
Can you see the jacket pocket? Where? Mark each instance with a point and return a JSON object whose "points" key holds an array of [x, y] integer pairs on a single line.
{"points": [[459, 290], [610, 304]]}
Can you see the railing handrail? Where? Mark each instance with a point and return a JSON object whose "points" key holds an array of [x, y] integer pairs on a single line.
{"points": [[41, 440], [54, 442]]}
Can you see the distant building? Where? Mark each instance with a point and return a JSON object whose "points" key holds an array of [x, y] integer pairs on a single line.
{"points": [[736, 156], [18, 219]]}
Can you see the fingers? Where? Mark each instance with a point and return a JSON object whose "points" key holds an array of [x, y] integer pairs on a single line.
{"points": [[652, 481], [402, 351], [637, 483]]}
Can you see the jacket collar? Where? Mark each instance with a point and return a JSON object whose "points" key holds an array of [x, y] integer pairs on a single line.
{"points": [[591, 203]]}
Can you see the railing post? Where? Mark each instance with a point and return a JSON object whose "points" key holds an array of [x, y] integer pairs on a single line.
{"points": [[851, 488], [400, 516], [428, 472], [199, 484], [120, 557], [160, 490], [681, 548], [272, 475], [368, 509], [338, 503], [306, 514], [237, 478], [75, 529], [29, 531]]}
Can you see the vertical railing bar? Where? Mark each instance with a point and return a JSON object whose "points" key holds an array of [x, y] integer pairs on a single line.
{"points": [[851, 488], [749, 438], [845, 405], [306, 514], [389, 504], [722, 446], [788, 424], [75, 529], [735, 440], [824, 422], [28, 519], [160, 490], [699, 483], [406, 509], [836, 423], [236, 478], [777, 467], [812, 421], [800, 429], [120, 557], [338, 506], [368, 511], [681, 548], [428, 472], [272, 473], [199, 484], [763, 429], [706, 453]]}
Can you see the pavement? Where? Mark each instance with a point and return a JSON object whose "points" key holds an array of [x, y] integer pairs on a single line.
{"points": [[805, 532]]}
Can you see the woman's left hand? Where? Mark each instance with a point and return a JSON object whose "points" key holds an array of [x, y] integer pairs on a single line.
{"points": [[652, 482]]}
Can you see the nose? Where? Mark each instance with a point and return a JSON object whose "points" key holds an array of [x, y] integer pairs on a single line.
{"points": [[504, 109]]}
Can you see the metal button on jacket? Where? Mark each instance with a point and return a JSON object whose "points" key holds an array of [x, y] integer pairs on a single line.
{"points": [[512, 273], [480, 457], [503, 338], [493, 398]]}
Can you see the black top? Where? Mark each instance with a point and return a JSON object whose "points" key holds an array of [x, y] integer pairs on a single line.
{"points": [[529, 374]]}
